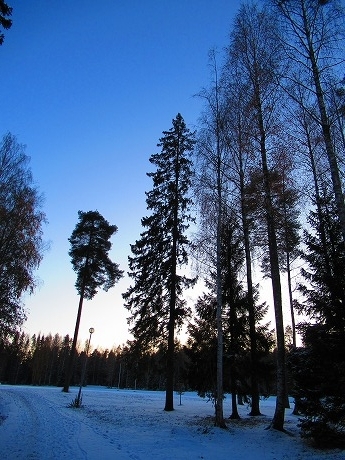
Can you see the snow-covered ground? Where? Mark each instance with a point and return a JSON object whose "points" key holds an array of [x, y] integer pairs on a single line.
{"points": [[36, 423]]}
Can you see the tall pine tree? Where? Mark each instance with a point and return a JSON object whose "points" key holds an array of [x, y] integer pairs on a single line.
{"points": [[155, 298]]}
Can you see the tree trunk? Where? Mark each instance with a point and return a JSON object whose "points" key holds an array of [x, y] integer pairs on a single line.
{"points": [[73, 348], [234, 412], [169, 389], [219, 415], [279, 414], [292, 311], [325, 125], [278, 418], [322, 231], [255, 410], [233, 370], [219, 419]]}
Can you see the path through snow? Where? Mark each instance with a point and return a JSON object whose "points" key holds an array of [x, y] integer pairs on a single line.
{"points": [[36, 423]]}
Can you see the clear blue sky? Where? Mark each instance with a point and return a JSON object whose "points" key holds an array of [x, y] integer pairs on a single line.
{"points": [[89, 87]]}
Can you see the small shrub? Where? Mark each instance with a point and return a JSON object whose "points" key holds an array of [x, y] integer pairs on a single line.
{"points": [[76, 402], [324, 422]]}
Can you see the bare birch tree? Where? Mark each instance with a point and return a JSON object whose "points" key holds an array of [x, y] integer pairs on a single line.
{"points": [[240, 154], [257, 55], [211, 194], [313, 41]]}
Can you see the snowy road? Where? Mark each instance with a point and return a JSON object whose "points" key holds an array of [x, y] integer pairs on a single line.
{"points": [[35, 428]]}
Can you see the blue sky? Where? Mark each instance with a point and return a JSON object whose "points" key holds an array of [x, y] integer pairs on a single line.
{"points": [[89, 87]]}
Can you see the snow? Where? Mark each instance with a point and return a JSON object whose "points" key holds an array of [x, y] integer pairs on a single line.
{"points": [[36, 423]]}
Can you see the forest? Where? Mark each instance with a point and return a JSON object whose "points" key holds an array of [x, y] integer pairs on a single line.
{"points": [[256, 192]]}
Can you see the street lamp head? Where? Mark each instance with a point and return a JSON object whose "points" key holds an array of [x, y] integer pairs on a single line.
{"points": [[91, 330]]}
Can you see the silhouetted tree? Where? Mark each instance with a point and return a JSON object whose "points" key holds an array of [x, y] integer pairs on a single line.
{"points": [[90, 246], [286, 212], [211, 191], [318, 366], [21, 244], [5, 21], [155, 299], [257, 55], [313, 40], [239, 146]]}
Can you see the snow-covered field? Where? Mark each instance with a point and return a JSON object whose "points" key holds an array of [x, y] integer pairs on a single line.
{"points": [[36, 423]]}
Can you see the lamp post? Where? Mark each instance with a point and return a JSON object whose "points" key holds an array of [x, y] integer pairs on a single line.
{"points": [[78, 402]]}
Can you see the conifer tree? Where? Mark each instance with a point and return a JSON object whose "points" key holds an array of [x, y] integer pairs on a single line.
{"points": [[89, 251], [202, 347], [155, 299], [318, 367], [234, 299], [202, 343]]}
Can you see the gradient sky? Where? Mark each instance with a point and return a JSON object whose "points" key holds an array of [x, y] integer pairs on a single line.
{"points": [[89, 87]]}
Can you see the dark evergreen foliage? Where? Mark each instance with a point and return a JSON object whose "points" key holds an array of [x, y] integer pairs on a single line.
{"points": [[324, 293], [318, 368], [155, 299], [202, 343], [202, 347], [151, 264], [90, 246], [5, 21], [202, 352], [40, 360]]}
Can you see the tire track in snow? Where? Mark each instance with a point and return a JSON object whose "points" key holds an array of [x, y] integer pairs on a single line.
{"points": [[34, 428]]}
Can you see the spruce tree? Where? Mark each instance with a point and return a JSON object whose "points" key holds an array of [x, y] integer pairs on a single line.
{"points": [[155, 299], [203, 331], [318, 367], [234, 300], [202, 347], [324, 292]]}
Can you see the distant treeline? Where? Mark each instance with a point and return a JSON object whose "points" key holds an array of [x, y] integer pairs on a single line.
{"points": [[42, 360]]}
